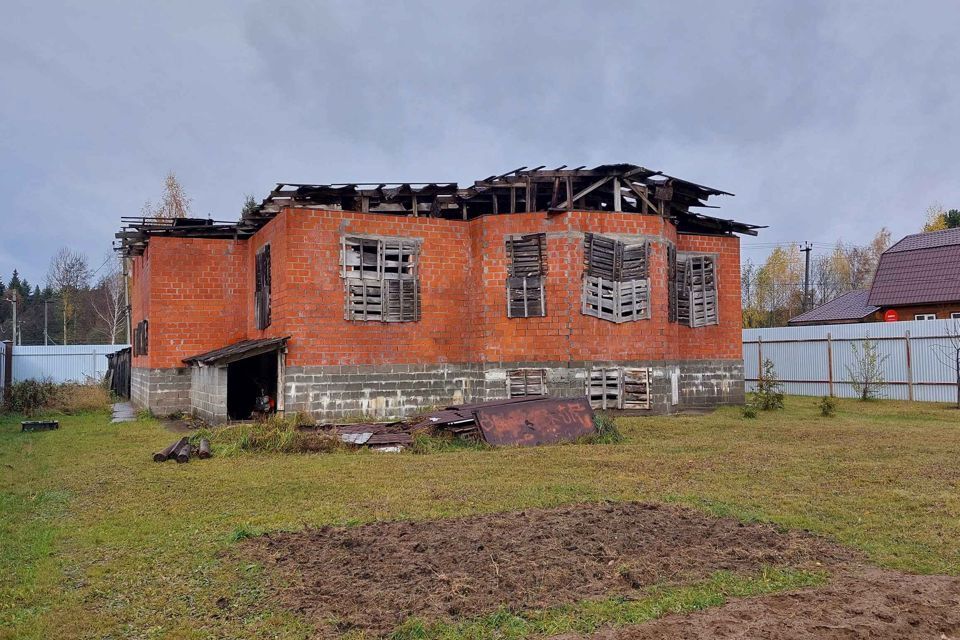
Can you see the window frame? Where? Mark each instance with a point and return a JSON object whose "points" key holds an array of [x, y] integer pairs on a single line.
{"points": [[262, 288], [525, 285], [925, 316]]}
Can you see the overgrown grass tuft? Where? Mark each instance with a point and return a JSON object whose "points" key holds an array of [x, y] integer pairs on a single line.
{"points": [[276, 434], [444, 442], [243, 532], [590, 615], [30, 397], [606, 431]]}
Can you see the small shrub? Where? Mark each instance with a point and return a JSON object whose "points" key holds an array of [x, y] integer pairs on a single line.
{"points": [[827, 406], [769, 393], [749, 410], [866, 374]]}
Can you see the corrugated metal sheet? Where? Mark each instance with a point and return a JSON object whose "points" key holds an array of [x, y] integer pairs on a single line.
{"points": [[70, 363], [801, 357]]}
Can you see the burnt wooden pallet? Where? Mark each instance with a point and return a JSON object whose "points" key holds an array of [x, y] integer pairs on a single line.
{"points": [[526, 382], [381, 280], [636, 388], [527, 255]]}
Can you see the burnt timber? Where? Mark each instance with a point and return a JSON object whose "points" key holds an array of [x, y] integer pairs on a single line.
{"points": [[613, 187]]}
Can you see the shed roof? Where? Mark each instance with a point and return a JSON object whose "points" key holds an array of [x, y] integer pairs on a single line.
{"points": [[238, 351], [849, 307], [923, 268]]}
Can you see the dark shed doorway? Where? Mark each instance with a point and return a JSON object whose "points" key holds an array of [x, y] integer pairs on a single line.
{"points": [[252, 386]]}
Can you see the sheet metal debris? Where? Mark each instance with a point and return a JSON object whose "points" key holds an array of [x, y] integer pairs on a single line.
{"points": [[529, 424]]}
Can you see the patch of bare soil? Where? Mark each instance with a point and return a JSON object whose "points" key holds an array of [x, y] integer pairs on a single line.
{"points": [[374, 577], [861, 602]]}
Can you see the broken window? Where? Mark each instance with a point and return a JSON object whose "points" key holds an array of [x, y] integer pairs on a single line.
{"points": [[696, 290], [140, 339], [526, 273], [262, 280], [619, 387], [381, 278], [616, 279], [526, 382]]}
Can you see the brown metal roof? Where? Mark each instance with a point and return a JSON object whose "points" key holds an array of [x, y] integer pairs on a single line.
{"points": [[923, 268], [238, 351], [849, 307]]}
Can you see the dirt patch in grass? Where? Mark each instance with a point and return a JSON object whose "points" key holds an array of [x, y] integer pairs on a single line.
{"points": [[860, 602], [374, 577]]}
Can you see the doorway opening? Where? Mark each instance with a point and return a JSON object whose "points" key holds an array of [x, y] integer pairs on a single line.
{"points": [[252, 386]]}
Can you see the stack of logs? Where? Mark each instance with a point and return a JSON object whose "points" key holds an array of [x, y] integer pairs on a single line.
{"points": [[181, 450]]}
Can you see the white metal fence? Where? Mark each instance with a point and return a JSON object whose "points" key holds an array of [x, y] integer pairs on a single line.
{"points": [[815, 360], [70, 363]]}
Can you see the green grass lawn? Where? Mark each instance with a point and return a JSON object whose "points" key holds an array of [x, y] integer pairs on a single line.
{"points": [[96, 540]]}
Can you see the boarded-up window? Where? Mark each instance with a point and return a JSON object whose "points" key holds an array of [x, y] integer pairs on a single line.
{"points": [[616, 282], [672, 282], [619, 387], [381, 279], [526, 382], [140, 339], [526, 275], [603, 387], [696, 280], [262, 282]]}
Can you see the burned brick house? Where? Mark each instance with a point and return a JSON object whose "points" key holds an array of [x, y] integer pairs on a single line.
{"points": [[347, 299]]}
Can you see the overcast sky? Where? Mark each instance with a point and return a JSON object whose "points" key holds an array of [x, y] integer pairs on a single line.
{"points": [[826, 119]]}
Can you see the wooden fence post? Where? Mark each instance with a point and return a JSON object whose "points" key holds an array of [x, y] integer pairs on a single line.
{"points": [[906, 338], [830, 363]]}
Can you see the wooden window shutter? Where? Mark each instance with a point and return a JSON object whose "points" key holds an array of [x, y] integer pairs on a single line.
{"points": [[616, 282], [526, 276], [381, 279], [672, 282], [698, 306], [604, 387], [262, 282], [526, 382]]}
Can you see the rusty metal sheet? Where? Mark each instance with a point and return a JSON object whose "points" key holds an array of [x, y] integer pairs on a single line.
{"points": [[536, 422]]}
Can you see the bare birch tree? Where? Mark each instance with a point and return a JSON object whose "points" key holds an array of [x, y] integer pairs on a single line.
{"points": [[108, 303], [69, 274], [173, 204]]}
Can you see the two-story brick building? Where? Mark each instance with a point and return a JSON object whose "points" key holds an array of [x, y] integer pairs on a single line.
{"points": [[384, 299]]}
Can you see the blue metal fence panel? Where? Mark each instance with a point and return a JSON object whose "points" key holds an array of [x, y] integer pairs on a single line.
{"points": [[62, 363], [919, 357]]}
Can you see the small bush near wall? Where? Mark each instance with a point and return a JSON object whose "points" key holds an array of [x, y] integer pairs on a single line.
{"points": [[31, 397]]}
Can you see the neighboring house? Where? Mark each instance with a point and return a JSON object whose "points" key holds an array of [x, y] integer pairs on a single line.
{"points": [[918, 278], [848, 308], [375, 299]]}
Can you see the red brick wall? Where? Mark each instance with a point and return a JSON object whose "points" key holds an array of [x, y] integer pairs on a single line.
{"points": [[193, 297], [200, 293]]}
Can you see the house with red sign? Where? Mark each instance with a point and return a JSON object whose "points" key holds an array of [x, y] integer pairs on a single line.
{"points": [[918, 278]]}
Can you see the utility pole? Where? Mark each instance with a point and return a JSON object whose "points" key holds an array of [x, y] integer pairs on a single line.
{"points": [[806, 248], [13, 300], [46, 334]]}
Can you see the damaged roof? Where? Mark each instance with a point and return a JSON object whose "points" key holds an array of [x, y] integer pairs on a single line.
{"points": [[237, 351], [610, 187], [919, 269]]}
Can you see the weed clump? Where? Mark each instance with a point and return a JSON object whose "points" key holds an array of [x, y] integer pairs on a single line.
{"points": [[31, 397], [749, 410], [424, 442], [276, 434]]}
